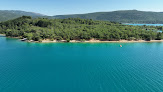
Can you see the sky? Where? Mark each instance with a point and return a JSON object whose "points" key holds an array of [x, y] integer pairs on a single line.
{"points": [[62, 7]]}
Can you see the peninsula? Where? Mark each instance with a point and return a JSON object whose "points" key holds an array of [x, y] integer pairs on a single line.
{"points": [[77, 30]]}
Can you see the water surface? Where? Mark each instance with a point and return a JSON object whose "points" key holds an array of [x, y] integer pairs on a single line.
{"points": [[80, 67], [145, 24]]}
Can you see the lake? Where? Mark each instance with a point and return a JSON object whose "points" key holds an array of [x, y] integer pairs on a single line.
{"points": [[145, 24], [80, 67]]}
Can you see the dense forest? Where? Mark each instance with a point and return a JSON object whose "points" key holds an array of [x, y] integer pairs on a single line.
{"points": [[39, 29]]}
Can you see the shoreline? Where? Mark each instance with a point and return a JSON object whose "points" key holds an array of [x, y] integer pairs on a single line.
{"points": [[99, 41], [2, 34], [87, 41]]}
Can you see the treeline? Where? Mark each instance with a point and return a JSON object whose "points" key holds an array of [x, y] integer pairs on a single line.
{"points": [[76, 29]]}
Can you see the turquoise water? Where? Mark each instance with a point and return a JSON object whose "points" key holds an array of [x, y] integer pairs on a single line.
{"points": [[80, 67], [145, 24]]}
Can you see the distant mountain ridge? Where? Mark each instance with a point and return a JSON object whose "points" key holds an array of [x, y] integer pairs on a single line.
{"points": [[122, 16], [12, 14]]}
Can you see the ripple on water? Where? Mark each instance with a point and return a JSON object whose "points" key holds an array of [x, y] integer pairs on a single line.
{"points": [[80, 67]]}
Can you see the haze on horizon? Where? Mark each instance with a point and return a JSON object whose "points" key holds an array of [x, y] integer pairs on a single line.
{"points": [[62, 7]]}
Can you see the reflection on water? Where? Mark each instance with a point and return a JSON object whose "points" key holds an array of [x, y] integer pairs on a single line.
{"points": [[145, 24]]}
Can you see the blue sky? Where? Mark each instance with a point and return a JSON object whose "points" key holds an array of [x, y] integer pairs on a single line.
{"points": [[60, 7]]}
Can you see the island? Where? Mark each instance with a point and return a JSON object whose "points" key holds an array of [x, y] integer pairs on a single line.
{"points": [[31, 29]]}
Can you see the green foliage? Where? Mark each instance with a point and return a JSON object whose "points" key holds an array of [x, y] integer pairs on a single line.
{"points": [[29, 36], [82, 40], [76, 29], [148, 38], [51, 39], [67, 40], [58, 38], [43, 23], [36, 37], [159, 36]]}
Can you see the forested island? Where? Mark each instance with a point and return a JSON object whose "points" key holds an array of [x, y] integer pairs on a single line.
{"points": [[40, 29]]}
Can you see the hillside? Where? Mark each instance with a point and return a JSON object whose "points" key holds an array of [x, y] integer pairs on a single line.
{"points": [[123, 16], [12, 14]]}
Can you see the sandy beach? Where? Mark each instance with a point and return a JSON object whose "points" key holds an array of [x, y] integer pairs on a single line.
{"points": [[2, 34], [99, 41], [90, 41]]}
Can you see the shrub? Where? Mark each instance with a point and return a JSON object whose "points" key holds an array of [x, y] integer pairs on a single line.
{"points": [[67, 40]]}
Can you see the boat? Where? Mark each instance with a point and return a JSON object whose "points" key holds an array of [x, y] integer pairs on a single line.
{"points": [[24, 39]]}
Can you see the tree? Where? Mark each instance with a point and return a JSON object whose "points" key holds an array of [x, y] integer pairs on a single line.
{"points": [[159, 36], [29, 36], [148, 38]]}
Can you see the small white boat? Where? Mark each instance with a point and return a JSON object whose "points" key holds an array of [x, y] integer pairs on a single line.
{"points": [[120, 45], [24, 39]]}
